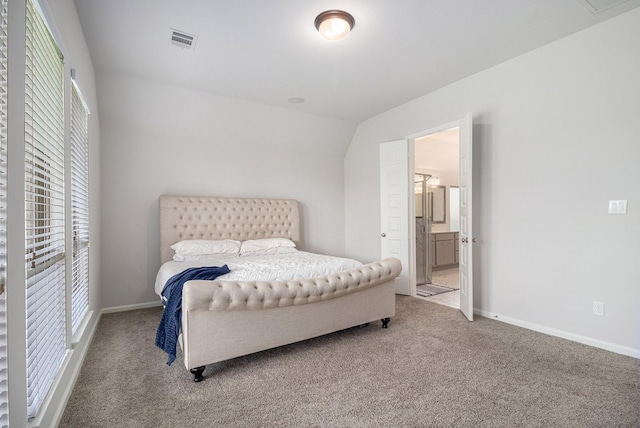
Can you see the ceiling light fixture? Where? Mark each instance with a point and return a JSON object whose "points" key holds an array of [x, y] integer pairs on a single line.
{"points": [[334, 24]]}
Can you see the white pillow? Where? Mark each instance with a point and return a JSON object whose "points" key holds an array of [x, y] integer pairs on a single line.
{"points": [[202, 257], [196, 247], [253, 245], [274, 250]]}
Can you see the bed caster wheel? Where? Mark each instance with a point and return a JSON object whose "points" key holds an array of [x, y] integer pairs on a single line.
{"points": [[385, 322], [197, 373]]}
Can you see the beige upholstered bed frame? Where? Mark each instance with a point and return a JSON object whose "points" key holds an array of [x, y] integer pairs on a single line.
{"points": [[227, 319], [188, 217]]}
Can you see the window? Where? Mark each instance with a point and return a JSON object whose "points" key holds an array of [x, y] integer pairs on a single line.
{"points": [[4, 391], [79, 208], [44, 209]]}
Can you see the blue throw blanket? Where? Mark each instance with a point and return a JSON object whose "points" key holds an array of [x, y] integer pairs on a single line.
{"points": [[169, 328]]}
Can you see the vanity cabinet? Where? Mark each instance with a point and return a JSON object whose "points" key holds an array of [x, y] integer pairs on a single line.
{"points": [[444, 249]]}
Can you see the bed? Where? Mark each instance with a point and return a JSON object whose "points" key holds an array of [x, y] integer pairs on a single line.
{"points": [[273, 295]]}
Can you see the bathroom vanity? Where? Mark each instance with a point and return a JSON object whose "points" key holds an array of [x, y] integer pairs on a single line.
{"points": [[444, 249]]}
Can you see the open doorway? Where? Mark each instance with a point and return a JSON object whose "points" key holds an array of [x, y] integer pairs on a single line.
{"points": [[437, 216], [397, 209]]}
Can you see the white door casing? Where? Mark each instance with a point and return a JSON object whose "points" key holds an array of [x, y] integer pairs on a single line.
{"points": [[394, 207], [466, 224]]}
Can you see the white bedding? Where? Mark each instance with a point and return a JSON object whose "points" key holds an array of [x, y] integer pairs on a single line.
{"points": [[294, 265]]}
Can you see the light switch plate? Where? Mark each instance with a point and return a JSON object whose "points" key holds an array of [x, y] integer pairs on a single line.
{"points": [[618, 207]]}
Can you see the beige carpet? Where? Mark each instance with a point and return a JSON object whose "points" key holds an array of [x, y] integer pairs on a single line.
{"points": [[430, 368]]}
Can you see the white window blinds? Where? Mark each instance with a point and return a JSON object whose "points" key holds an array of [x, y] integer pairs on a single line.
{"points": [[44, 205], [79, 208], [4, 391]]}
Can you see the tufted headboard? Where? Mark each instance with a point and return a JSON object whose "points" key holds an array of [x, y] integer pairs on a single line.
{"points": [[190, 217]]}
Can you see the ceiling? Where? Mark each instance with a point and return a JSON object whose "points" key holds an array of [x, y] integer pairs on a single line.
{"points": [[268, 51]]}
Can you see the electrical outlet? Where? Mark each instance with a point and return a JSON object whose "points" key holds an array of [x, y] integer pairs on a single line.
{"points": [[598, 308]]}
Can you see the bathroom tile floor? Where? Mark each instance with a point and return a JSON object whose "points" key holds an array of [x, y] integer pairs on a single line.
{"points": [[448, 278]]}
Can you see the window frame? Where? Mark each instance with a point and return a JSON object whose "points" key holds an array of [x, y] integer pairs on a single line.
{"points": [[45, 210], [78, 181]]}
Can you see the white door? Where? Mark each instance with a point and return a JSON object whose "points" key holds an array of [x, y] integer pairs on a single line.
{"points": [[466, 224], [394, 207]]}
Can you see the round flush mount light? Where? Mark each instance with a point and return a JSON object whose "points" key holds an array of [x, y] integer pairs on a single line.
{"points": [[334, 24]]}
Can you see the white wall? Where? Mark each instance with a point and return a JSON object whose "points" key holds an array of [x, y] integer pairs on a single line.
{"points": [[555, 137], [160, 139]]}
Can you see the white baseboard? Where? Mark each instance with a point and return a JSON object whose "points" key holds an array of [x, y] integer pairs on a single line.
{"points": [[618, 349], [130, 307]]}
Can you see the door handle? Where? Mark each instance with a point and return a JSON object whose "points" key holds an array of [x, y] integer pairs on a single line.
{"points": [[383, 234], [465, 240]]}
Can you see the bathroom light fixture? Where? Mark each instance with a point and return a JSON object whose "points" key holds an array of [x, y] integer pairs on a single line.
{"points": [[334, 24]]}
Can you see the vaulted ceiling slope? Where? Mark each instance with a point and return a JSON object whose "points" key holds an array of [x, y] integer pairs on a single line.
{"points": [[269, 51]]}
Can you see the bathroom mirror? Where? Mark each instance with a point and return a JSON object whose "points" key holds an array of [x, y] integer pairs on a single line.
{"points": [[438, 204]]}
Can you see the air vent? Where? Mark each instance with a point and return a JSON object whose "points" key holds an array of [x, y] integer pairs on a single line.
{"points": [[182, 39]]}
